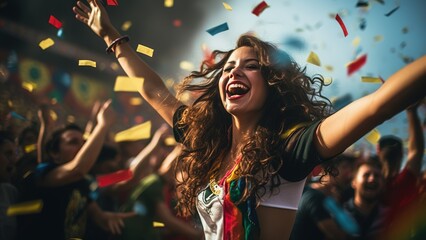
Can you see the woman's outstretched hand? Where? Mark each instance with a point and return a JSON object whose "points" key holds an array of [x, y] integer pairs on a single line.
{"points": [[95, 16]]}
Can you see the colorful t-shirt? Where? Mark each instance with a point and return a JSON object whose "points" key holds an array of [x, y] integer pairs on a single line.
{"points": [[220, 216]]}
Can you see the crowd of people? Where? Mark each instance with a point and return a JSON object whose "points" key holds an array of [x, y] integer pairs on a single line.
{"points": [[243, 160]]}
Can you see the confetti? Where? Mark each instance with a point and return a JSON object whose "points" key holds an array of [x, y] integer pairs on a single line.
{"points": [[135, 101], [329, 68], [18, 116], [177, 23], [342, 25], [113, 178], [185, 65], [25, 208], [361, 4], [373, 136], [88, 63], [357, 64], [168, 3], [140, 208], [392, 11], [30, 148], [219, 28], [127, 84], [314, 59], [356, 41], [138, 132], [157, 224], [112, 2], [259, 8], [371, 80], [46, 43], [28, 86], [378, 38], [55, 22], [227, 6], [145, 50], [126, 25], [363, 24], [208, 56], [170, 141]]}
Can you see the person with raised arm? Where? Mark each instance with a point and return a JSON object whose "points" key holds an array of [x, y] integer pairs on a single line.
{"points": [[258, 128]]}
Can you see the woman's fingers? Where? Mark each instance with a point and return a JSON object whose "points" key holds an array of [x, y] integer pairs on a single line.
{"points": [[82, 19], [84, 7], [80, 12]]}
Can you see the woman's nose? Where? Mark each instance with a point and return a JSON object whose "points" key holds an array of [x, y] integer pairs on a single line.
{"points": [[235, 72]]}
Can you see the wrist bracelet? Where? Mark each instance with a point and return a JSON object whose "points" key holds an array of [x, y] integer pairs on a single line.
{"points": [[118, 41]]}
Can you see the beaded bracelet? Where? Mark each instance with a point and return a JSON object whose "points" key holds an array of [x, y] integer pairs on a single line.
{"points": [[118, 41]]}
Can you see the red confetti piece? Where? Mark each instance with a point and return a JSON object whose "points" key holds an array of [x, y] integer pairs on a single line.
{"points": [[342, 25], [259, 8], [208, 57], [381, 79], [357, 64], [55, 22], [316, 171], [112, 178], [112, 2]]}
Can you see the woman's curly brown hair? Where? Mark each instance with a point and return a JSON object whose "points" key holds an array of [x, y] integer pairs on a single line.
{"points": [[293, 98]]}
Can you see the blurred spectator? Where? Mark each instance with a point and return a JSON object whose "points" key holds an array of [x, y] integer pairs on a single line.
{"points": [[313, 220], [401, 185], [365, 207], [8, 193], [60, 183]]}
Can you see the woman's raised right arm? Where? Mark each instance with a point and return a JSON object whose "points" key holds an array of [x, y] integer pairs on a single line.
{"points": [[153, 90]]}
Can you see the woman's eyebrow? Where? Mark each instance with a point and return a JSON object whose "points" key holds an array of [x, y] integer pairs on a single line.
{"points": [[244, 60]]}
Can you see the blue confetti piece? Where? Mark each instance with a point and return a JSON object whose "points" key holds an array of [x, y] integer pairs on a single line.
{"points": [[219, 28], [140, 208], [60, 32], [17, 116], [343, 218]]}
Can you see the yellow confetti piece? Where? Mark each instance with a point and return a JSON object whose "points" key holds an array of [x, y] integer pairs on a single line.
{"points": [[30, 148], [313, 59], [227, 6], [46, 43], [126, 25], [127, 84], [169, 83], [185, 65], [157, 224], [25, 208], [9, 103], [139, 132], [88, 63], [373, 136], [145, 50], [135, 101], [329, 68], [114, 66], [378, 38], [168, 3], [86, 135], [170, 141], [28, 86], [371, 80], [356, 41], [53, 115]]}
